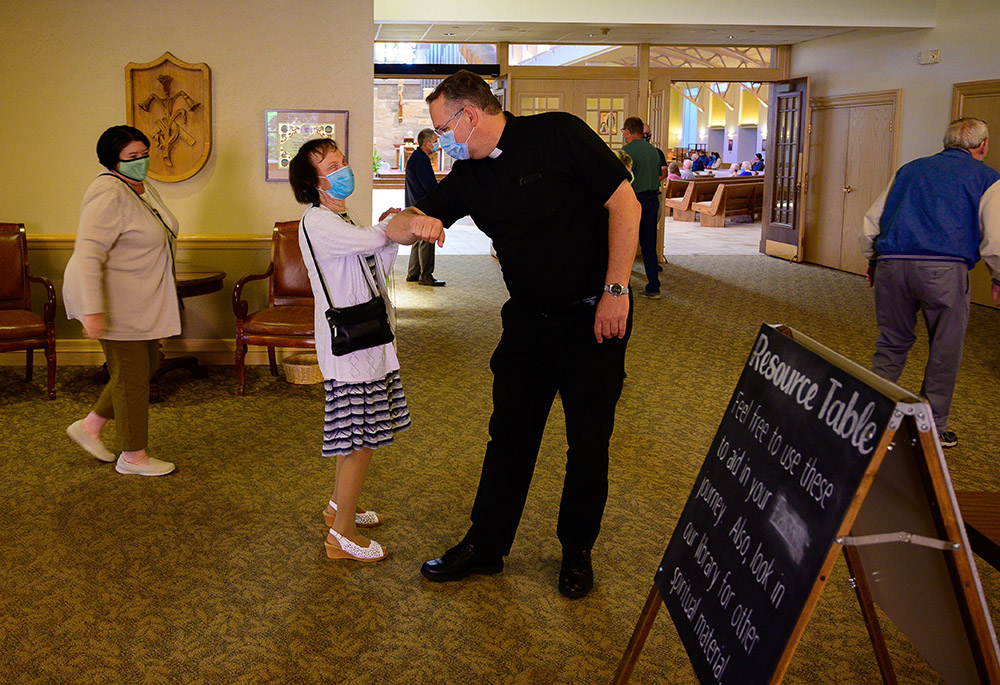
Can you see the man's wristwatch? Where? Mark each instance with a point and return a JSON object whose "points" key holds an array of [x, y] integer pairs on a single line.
{"points": [[616, 289]]}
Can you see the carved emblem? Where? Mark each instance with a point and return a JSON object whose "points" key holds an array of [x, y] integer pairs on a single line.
{"points": [[170, 101]]}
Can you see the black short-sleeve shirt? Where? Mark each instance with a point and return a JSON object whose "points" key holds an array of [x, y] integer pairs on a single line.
{"points": [[541, 201]]}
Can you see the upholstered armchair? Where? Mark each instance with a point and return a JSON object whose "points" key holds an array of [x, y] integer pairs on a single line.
{"points": [[287, 321], [20, 327]]}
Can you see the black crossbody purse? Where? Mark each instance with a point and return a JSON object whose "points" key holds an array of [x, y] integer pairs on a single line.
{"points": [[360, 326]]}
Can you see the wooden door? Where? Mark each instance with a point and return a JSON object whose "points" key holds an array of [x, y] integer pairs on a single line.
{"points": [[980, 99], [870, 167], [852, 157], [784, 174], [823, 239], [533, 96], [604, 105], [659, 112]]}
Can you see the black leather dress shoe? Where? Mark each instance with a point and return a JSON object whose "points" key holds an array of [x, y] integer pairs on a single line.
{"points": [[459, 562], [431, 281], [576, 576], [411, 279]]}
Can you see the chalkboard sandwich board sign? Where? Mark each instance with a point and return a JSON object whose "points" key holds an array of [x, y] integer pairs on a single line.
{"points": [[813, 453], [766, 507]]}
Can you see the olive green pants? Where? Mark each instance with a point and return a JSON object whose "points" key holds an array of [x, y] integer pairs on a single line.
{"points": [[125, 398]]}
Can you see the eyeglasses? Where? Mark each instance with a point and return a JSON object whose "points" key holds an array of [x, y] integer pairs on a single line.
{"points": [[440, 130]]}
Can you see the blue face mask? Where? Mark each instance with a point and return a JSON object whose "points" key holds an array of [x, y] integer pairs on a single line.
{"points": [[454, 148], [341, 183], [435, 147]]}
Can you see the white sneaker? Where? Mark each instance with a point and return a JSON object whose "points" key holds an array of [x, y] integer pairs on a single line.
{"points": [[154, 467], [94, 448]]}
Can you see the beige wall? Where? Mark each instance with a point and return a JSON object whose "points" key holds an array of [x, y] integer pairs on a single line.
{"points": [[875, 60], [63, 83]]}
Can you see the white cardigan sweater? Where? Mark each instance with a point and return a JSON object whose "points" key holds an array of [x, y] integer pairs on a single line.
{"points": [[121, 264], [338, 245]]}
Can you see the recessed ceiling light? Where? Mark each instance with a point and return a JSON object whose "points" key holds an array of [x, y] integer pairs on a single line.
{"points": [[449, 34], [730, 37]]}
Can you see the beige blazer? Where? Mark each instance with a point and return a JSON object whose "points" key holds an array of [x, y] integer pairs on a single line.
{"points": [[122, 264]]}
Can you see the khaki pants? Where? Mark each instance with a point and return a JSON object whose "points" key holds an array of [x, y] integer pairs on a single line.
{"points": [[125, 398]]}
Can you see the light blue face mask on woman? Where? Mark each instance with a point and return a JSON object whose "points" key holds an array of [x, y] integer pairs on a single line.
{"points": [[341, 183], [136, 169]]}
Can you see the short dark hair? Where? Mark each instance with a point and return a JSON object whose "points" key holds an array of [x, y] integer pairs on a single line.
{"points": [[633, 125], [302, 175], [469, 89], [425, 135], [113, 141]]}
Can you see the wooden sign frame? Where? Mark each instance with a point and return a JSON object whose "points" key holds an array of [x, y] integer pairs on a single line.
{"points": [[903, 525]]}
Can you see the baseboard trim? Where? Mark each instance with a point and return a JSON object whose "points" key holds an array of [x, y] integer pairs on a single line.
{"points": [[189, 241], [211, 352]]}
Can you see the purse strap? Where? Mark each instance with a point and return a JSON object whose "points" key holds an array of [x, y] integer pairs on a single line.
{"points": [[369, 277]]}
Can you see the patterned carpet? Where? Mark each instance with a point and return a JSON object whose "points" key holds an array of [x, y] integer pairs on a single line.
{"points": [[217, 573]]}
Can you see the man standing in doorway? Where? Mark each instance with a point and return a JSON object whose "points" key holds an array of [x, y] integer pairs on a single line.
{"points": [[646, 184], [420, 180], [921, 237], [563, 219]]}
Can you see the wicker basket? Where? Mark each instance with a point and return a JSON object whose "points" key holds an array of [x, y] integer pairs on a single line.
{"points": [[302, 369]]}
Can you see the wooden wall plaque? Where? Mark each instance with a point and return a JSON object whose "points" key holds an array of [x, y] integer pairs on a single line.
{"points": [[171, 102]]}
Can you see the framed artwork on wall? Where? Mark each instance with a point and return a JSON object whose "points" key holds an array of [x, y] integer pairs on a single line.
{"points": [[287, 129]]}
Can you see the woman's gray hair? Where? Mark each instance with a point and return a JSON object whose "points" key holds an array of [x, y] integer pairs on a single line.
{"points": [[967, 133]]}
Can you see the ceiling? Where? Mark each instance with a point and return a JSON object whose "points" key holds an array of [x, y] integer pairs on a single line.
{"points": [[614, 34]]}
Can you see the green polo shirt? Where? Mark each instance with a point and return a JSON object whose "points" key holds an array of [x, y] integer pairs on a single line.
{"points": [[645, 166]]}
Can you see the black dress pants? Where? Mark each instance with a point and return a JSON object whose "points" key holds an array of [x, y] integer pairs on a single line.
{"points": [[538, 356]]}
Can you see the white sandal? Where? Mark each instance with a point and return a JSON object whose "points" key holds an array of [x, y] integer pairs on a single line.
{"points": [[368, 519], [349, 550]]}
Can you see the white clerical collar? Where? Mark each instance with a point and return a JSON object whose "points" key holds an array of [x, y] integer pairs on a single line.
{"points": [[496, 153]]}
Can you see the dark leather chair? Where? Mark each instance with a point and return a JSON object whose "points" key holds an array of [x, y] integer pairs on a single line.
{"points": [[20, 327], [287, 321]]}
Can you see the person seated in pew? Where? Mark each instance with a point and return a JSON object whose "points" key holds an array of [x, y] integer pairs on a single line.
{"points": [[745, 169], [758, 165], [673, 171], [714, 161], [686, 171], [697, 162]]}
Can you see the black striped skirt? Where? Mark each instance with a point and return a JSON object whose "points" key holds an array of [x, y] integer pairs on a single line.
{"points": [[364, 414]]}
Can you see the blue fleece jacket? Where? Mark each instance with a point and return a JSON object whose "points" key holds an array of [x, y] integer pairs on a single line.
{"points": [[932, 211]]}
